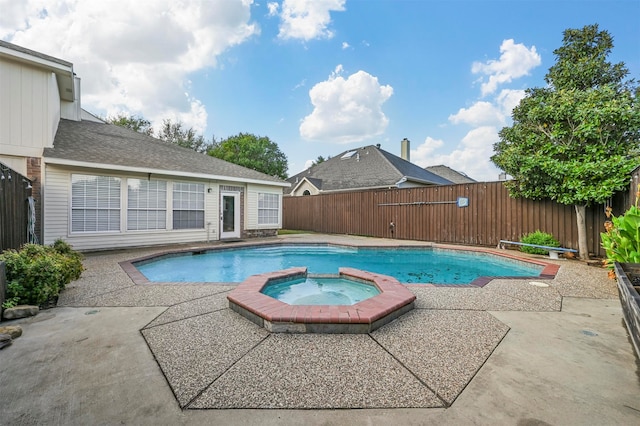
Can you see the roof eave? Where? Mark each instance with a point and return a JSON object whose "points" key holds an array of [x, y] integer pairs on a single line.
{"points": [[412, 179], [361, 188]]}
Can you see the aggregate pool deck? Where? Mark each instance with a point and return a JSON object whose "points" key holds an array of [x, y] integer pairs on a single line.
{"points": [[214, 358]]}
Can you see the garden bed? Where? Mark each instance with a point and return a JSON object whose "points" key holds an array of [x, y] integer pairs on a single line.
{"points": [[628, 276]]}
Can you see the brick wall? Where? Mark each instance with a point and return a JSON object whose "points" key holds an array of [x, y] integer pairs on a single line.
{"points": [[259, 233]]}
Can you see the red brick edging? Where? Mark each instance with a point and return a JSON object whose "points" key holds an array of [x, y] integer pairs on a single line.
{"points": [[365, 316]]}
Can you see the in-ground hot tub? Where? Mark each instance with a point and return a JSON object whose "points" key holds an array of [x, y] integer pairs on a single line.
{"points": [[320, 290], [363, 316]]}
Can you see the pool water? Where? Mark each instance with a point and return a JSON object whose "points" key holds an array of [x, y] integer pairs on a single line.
{"points": [[407, 265], [320, 291]]}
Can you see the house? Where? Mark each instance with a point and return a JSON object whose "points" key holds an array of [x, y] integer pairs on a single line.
{"points": [[100, 186], [448, 173], [369, 167]]}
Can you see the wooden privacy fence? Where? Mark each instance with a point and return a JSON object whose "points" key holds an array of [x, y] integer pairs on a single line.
{"points": [[432, 214], [14, 208]]}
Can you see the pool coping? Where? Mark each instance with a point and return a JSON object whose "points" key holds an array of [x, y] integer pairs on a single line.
{"points": [[365, 316], [549, 270]]}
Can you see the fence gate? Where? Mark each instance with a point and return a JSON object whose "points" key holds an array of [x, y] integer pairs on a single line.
{"points": [[17, 217]]}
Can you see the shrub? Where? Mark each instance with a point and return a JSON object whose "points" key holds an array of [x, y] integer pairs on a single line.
{"points": [[621, 242], [538, 238], [37, 274]]}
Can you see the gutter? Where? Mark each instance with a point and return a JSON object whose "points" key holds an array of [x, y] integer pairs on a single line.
{"points": [[410, 179]]}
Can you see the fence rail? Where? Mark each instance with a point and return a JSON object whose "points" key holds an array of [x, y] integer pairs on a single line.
{"points": [[14, 208], [433, 214]]}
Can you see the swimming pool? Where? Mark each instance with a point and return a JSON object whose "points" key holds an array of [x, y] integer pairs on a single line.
{"points": [[407, 265]]}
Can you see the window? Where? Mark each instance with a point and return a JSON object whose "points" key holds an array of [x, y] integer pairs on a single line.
{"points": [[95, 203], [268, 208], [147, 204], [188, 205], [348, 155]]}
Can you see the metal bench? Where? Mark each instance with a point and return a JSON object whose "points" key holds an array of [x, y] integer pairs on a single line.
{"points": [[553, 251]]}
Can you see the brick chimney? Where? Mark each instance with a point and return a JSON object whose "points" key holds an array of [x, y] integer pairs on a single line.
{"points": [[404, 149]]}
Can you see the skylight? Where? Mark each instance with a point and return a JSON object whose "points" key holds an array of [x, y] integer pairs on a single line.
{"points": [[348, 155]]}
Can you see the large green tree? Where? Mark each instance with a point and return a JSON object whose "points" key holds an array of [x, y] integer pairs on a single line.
{"points": [[132, 122], [173, 132], [176, 133], [576, 140], [251, 151]]}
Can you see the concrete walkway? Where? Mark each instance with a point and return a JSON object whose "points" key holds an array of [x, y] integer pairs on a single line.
{"points": [[509, 353]]}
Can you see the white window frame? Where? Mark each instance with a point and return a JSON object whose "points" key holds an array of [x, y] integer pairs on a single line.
{"points": [[95, 206], [188, 197], [268, 208], [151, 201]]}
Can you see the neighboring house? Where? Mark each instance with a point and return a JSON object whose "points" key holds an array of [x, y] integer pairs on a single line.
{"points": [[448, 173], [101, 186], [368, 167]]}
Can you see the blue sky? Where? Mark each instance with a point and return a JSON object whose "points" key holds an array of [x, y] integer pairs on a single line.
{"points": [[321, 76]]}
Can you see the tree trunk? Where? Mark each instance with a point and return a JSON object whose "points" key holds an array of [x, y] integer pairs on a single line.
{"points": [[581, 212]]}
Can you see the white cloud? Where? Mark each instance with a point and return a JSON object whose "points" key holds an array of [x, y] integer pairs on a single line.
{"points": [[133, 56], [273, 8], [13, 15], [509, 99], [472, 156], [516, 60], [479, 113], [346, 110], [302, 83], [423, 154], [345, 45], [307, 19]]}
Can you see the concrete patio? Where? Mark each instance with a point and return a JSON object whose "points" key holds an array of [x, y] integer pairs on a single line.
{"points": [[509, 353]]}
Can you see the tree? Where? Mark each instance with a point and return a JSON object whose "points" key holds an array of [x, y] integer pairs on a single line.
{"points": [[132, 122], [576, 140], [320, 159], [188, 138], [254, 152]]}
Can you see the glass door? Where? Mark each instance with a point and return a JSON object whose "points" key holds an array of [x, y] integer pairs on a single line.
{"points": [[230, 215]]}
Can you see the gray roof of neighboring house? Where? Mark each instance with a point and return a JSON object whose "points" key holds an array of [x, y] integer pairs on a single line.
{"points": [[108, 144], [450, 174], [368, 167]]}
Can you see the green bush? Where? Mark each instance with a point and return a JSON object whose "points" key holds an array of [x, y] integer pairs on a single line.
{"points": [[621, 242], [538, 238], [37, 274]]}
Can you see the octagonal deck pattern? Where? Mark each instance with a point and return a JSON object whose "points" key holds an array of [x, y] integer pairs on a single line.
{"points": [[363, 317]]}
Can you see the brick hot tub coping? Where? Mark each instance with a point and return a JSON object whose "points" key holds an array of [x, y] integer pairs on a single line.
{"points": [[363, 317]]}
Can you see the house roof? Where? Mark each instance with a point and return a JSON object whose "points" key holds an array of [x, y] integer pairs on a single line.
{"points": [[450, 174], [366, 167], [107, 146]]}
